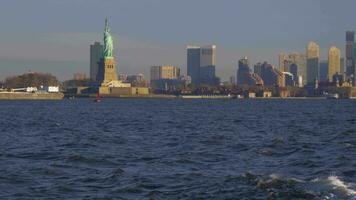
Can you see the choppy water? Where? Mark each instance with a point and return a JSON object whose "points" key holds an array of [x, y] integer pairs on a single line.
{"points": [[178, 149]]}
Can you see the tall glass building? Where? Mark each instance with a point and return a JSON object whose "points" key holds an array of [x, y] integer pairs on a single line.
{"points": [[96, 52], [193, 63], [350, 62], [201, 63], [312, 62]]}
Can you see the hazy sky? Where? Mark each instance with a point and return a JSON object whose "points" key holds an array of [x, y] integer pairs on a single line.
{"points": [[54, 35]]}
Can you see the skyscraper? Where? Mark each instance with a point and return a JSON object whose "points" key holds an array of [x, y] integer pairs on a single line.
{"points": [[333, 62], [96, 51], [298, 60], [272, 76], [193, 63], [282, 57], [323, 70], [244, 75], [257, 69], [201, 63], [243, 70], [312, 62], [207, 65], [350, 63]]}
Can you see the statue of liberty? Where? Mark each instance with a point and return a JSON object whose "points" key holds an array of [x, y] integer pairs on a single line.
{"points": [[108, 42]]}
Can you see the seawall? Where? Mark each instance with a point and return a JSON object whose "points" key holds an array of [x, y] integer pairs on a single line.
{"points": [[30, 96]]}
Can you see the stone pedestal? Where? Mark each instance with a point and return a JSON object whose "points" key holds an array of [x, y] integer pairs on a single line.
{"points": [[107, 70]]}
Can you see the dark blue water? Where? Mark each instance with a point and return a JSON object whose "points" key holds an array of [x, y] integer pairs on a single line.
{"points": [[178, 149]]}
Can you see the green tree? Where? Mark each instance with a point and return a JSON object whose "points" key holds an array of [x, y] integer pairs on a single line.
{"points": [[31, 80]]}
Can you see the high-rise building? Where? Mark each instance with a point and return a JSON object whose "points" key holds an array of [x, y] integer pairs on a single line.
{"points": [[208, 56], [342, 66], [289, 79], [312, 62], [193, 63], [155, 72], [164, 72], [323, 70], [294, 71], [243, 70], [282, 57], [207, 65], [201, 62], [333, 62], [164, 78], [272, 76], [298, 60], [350, 62], [244, 75], [96, 51]]}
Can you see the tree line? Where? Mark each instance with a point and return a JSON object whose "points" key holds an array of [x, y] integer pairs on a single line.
{"points": [[31, 80]]}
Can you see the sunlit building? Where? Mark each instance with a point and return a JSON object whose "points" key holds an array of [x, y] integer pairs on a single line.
{"points": [[294, 63], [282, 57], [312, 62], [164, 72], [333, 62]]}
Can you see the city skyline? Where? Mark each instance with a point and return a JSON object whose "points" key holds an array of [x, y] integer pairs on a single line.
{"points": [[36, 44]]}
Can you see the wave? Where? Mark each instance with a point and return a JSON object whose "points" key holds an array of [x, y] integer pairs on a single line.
{"points": [[278, 186], [339, 185]]}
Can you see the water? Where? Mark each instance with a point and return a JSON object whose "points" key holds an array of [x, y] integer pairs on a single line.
{"points": [[178, 149]]}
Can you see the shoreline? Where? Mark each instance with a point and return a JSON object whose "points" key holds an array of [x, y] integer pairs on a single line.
{"points": [[30, 96], [61, 96], [192, 97]]}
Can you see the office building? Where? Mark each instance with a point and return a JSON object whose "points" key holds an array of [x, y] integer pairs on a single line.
{"points": [[294, 70], [193, 63], [272, 76], [135, 78], [164, 78], [289, 79], [164, 72], [243, 70], [282, 57], [323, 70], [96, 52], [333, 62], [312, 63], [257, 69], [244, 75], [201, 62], [294, 60], [350, 59]]}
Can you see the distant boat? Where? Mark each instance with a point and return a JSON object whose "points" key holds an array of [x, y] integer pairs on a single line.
{"points": [[97, 98], [331, 96]]}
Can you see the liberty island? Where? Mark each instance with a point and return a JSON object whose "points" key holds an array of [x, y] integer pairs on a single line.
{"points": [[108, 83]]}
